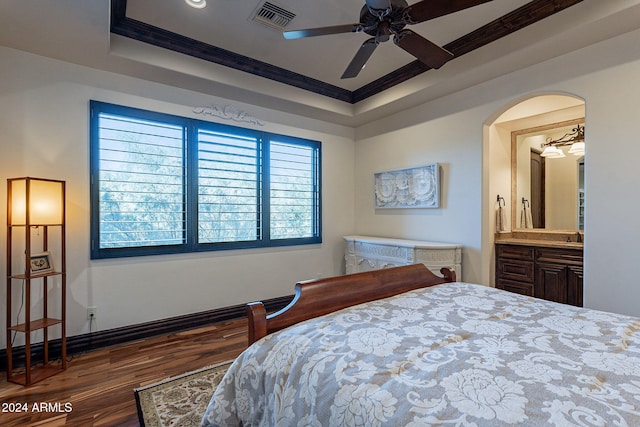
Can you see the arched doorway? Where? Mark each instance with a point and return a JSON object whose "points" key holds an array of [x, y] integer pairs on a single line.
{"points": [[528, 122]]}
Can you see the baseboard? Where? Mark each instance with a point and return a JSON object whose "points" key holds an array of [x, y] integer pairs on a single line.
{"points": [[92, 341]]}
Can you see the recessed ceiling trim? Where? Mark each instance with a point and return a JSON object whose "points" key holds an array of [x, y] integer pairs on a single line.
{"points": [[137, 30], [522, 17]]}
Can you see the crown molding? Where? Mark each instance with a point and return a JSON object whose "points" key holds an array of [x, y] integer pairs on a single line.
{"points": [[518, 19]]}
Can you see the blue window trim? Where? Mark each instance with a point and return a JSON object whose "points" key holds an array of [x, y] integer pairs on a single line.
{"points": [[191, 127]]}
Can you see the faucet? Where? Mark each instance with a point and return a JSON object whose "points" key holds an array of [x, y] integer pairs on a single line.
{"points": [[579, 238]]}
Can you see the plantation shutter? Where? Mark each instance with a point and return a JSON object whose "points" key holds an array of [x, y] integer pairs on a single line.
{"points": [[141, 183], [228, 187], [293, 195]]}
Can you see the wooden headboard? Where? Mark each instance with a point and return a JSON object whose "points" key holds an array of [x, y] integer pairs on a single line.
{"points": [[317, 297]]}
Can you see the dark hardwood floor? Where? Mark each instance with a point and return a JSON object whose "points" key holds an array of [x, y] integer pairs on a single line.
{"points": [[99, 385]]}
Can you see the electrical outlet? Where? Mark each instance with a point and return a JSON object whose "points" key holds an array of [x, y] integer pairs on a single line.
{"points": [[91, 312]]}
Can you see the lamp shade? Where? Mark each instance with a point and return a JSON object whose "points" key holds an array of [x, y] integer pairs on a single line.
{"points": [[577, 148], [552, 152], [35, 201]]}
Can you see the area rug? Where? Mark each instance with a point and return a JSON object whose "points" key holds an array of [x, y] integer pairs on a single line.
{"points": [[179, 401]]}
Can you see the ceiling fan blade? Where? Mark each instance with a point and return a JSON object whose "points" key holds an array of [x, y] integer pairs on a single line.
{"points": [[430, 9], [323, 31], [361, 58], [427, 52]]}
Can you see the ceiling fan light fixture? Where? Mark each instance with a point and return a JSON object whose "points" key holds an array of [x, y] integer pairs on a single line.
{"points": [[198, 4], [379, 8]]}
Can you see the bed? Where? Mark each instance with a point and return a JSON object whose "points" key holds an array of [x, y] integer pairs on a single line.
{"points": [[403, 347]]}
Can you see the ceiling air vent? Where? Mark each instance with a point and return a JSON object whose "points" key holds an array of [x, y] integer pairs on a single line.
{"points": [[272, 15]]}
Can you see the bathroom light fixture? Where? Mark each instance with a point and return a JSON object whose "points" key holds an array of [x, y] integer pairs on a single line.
{"points": [[575, 139], [198, 4], [552, 152], [577, 148]]}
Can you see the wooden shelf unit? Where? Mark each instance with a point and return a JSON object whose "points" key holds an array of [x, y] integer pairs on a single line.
{"points": [[21, 232]]}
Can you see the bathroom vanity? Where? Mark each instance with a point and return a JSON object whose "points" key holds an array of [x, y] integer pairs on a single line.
{"points": [[547, 265]]}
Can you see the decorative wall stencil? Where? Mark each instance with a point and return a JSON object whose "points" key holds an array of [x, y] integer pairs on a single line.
{"points": [[228, 112], [408, 188]]}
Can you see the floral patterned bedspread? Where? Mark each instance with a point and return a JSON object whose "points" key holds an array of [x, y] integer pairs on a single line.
{"points": [[456, 354]]}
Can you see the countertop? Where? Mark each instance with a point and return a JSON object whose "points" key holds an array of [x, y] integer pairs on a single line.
{"points": [[540, 242]]}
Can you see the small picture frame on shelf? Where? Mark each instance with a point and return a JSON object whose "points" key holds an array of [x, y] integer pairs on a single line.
{"points": [[41, 263]]}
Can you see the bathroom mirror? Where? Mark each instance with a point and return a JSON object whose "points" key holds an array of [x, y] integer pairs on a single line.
{"points": [[546, 192]]}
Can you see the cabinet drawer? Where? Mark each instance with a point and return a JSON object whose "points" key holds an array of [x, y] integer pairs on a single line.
{"points": [[565, 256], [515, 251], [515, 270], [516, 287]]}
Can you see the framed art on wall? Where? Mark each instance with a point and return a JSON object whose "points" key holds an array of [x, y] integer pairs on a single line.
{"points": [[416, 187]]}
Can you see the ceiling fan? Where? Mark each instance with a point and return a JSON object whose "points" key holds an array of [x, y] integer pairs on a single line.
{"points": [[383, 18]]}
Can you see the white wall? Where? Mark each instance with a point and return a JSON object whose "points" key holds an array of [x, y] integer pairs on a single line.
{"points": [[454, 130], [44, 133], [458, 150]]}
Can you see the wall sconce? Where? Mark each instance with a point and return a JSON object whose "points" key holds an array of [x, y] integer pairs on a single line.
{"points": [[35, 201], [575, 139]]}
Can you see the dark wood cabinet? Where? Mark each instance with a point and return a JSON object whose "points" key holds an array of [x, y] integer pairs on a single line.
{"points": [[515, 268], [554, 274]]}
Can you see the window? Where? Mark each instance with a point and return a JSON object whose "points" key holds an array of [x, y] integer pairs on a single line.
{"points": [[168, 184]]}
